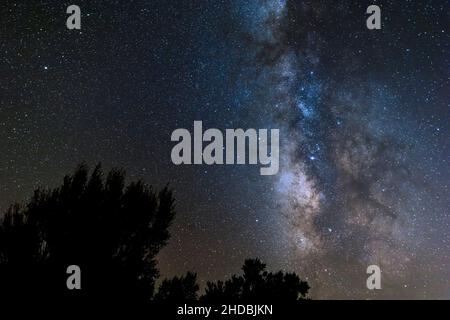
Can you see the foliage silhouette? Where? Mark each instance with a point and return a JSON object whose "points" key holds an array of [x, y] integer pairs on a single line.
{"points": [[113, 233], [257, 285], [178, 289]]}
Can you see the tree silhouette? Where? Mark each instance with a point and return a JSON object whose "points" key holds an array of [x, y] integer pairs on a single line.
{"points": [[257, 285], [112, 232], [178, 289]]}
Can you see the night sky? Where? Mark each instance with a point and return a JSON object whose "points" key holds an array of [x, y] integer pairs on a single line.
{"points": [[363, 116]]}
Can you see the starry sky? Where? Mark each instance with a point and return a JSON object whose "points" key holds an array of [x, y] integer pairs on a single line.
{"points": [[363, 118]]}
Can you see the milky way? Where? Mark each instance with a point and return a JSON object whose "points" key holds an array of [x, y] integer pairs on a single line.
{"points": [[363, 118], [348, 193]]}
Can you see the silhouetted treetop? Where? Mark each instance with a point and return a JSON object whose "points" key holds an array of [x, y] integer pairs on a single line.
{"points": [[178, 289], [112, 231], [257, 285]]}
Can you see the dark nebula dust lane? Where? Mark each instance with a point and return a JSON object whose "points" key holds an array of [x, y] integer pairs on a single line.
{"points": [[363, 118]]}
